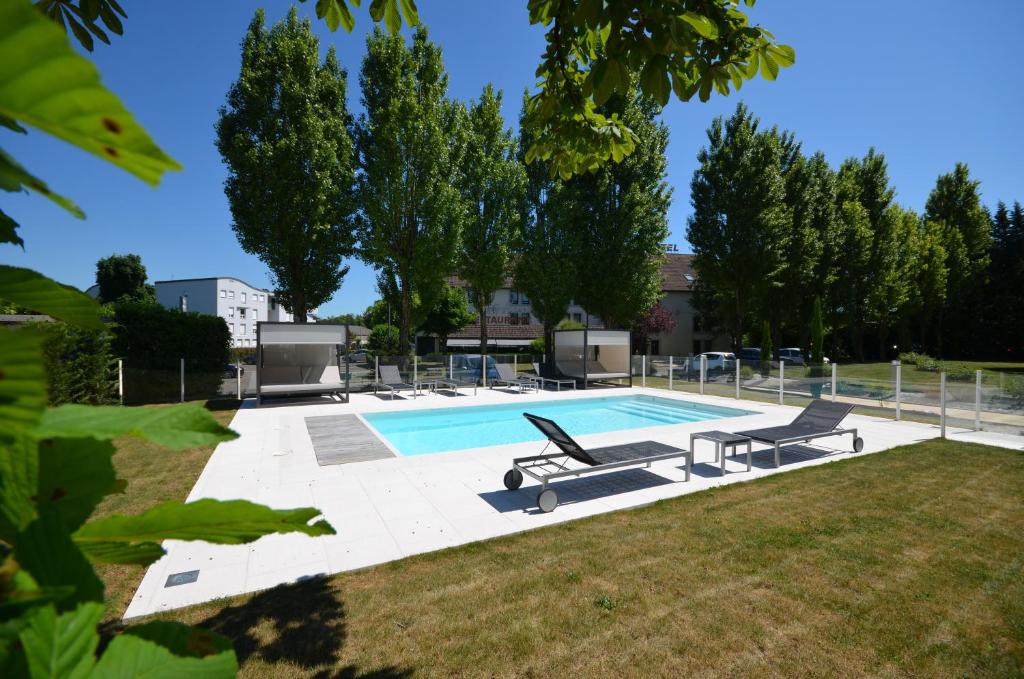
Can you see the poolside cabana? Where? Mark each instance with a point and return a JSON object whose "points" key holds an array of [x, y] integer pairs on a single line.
{"points": [[300, 359], [593, 355]]}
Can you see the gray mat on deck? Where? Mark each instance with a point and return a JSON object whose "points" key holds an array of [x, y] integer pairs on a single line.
{"points": [[340, 439]]}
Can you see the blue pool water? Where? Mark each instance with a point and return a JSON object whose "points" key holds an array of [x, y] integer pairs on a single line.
{"points": [[417, 432]]}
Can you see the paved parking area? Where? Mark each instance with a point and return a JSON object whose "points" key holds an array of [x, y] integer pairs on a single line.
{"points": [[391, 508]]}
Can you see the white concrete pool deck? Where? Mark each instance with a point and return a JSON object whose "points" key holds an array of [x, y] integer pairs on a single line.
{"points": [[388, 509]]}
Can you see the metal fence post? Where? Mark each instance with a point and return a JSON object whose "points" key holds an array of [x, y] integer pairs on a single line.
{"points": [[703, 371], [483, 370], [782, 377], [238, 376], [451, 366], [415, 368], [376, 369], [515, 364], [899, 386], [182, 380], [977, 400], [643, 371], [120, 381], [737, 379], [670, 373], [942, 404], [834, 371]]}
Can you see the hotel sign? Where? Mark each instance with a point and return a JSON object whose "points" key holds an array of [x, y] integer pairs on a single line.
{"points": [[671, 247]]}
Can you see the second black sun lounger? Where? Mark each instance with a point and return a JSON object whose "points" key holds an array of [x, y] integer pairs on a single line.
{"points": [[818, 420], [546, 468]]}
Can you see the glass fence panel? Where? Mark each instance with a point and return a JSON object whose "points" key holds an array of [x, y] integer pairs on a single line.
{"points": [[1002, 402]]}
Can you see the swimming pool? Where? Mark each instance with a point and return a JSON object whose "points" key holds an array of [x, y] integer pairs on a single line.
{"points": [[418, 432]]}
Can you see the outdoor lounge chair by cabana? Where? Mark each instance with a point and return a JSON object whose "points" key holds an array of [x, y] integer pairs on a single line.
{"points": [[546, 468], [818, 420], [507, 377], [391, 380], [594, 355]]}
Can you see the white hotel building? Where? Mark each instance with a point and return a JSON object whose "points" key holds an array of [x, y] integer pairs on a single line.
{"points": [[238, 303]]}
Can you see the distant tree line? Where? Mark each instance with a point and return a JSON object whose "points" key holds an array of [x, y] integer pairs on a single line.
{"points": [[422, 187], [773, 229]]}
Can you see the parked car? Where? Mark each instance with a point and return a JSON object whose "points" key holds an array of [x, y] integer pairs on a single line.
{"points": [[233, 370], [750, 356], [791, 356], [466, 367], [359, 356], [720, 361]]}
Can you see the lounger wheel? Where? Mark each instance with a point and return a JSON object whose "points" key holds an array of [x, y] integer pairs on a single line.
{"points": [[513, 479], [858, 444], [547, 500]]}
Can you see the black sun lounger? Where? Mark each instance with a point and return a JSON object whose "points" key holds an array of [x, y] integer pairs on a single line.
{"points": [[547, 468], [818, 420], [391, 380]]}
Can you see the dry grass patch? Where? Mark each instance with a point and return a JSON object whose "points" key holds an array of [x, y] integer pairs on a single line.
{"points": [[904, 563]]}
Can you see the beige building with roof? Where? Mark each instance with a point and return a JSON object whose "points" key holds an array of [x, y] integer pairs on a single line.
{"points": [[511, 324]]}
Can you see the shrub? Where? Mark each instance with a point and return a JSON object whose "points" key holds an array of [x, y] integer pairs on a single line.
{"points": [[80, 367], [746, 372], [928, 364], [152, 340], [957, 372], [1014, 388], [537, 346], [566, 324], [913, 358], [383, 340]]}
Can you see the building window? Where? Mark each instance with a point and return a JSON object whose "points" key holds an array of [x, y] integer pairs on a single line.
{"points": [[231, 312], [231, 294], [273, 303], [241, 311], [243, 296], [242, 327], [223, 294], [254, 328], [255, 314], [696, 323], [523, 299], [231, 328], [263, 298], [183, 303]]}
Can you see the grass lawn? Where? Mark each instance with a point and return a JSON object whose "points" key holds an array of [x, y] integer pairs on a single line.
{"points": [[904, 563], [155, 474]]}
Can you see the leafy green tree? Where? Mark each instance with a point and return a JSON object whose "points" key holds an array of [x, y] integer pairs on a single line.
{"points": [[410, 207], [56, 464], [620, 220], [927, 284], [343, 319], [545, 254], [685, 47], [812, 245], [384, 340], [852, 285], [284, 137], [121, 277], [1006, 277], [740, 224], [492, 184], [450, 314], [955, 202]]}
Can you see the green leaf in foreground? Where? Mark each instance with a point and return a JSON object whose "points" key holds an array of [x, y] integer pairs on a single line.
{"points": [[35, 291], [48, 85], [135, 554], [45, 550], [22, 378], [74, 475], [9, 230], [184, 426], [19, 467], [231, 522], [13, 177], [167, 649], [62, 645]]}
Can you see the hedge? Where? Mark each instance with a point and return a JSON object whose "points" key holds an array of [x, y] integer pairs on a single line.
{"points": [[80, 366], [152, 340]]}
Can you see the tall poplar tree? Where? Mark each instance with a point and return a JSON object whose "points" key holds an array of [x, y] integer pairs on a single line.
{"points": [[544, 257], [410, 208], [955, 202], [493, 184], [284, 137], [739, 229], [620, 213]]}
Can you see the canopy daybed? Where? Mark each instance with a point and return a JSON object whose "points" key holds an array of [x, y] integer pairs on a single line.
{"points": [[593, 355], [300, 359]]}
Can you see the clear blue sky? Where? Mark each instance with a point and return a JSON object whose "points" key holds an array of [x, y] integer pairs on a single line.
{"points": [[927, 83]]}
